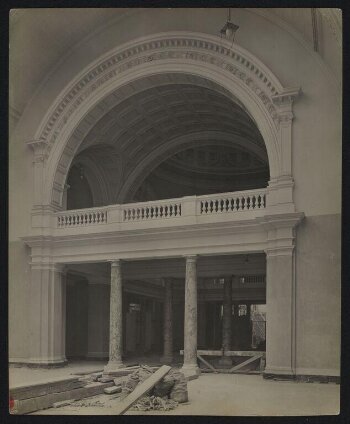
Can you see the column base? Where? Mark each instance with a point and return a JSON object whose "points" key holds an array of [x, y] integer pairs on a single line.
{"points": [[41, 363], [191, 371], [166, 359], [113, 366]]}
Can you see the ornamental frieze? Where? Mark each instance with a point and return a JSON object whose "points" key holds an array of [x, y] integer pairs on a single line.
{"points": [[180, 48]]}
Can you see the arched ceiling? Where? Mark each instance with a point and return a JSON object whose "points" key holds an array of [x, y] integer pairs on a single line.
{"points": [[151, 113], [38, 44], [166, 111]]}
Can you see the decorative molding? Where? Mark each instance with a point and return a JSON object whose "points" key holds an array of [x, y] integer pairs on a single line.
{"points": [[189, 47], [39, 147]]}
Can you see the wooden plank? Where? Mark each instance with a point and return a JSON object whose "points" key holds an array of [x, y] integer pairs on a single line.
{"points": [[206, 363], [140, 390], [228, 352], [242, 364]]}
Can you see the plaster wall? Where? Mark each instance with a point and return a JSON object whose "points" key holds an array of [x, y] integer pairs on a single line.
{"points": [[318, 303]]}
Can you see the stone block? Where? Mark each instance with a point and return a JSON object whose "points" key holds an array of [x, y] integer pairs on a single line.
{"points": [[43, 402], [112, 390]]}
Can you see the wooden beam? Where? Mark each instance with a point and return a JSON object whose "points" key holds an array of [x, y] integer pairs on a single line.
{"points": [[206, 363], [242, 364], [228, 352], [140, 390]]}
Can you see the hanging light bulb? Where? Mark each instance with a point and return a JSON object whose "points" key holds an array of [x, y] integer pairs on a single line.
{"points": [[229, 29]]}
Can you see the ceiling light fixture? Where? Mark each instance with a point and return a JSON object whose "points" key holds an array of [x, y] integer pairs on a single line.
{"points": [[229, 29]]}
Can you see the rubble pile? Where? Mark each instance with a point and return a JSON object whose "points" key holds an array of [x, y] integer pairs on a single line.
{"points": [[165, 395]]}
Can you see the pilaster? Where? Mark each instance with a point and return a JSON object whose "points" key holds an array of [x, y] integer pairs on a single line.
{"points": [[280, 293], [47, 316]]}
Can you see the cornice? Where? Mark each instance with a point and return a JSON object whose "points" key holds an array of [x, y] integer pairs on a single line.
{"points": [[177, 46]]}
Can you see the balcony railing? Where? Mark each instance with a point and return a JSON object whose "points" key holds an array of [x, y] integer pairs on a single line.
{"points": [[235, 205]]}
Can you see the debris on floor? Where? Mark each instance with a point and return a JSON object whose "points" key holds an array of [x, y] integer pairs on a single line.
{"points": [[88, 403], [154, 403], [165, 395]]}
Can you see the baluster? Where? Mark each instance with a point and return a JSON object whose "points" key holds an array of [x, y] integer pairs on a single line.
{"points": [[253, 202], [206, 207], [179, 209], [170, 210], [242, 203], [227, 205], [96, 217], [175, 209], [156, 209], [237, 203], [264, 197], [248, 202], [259, 201], [211, 206], [222, 205], [161, 211]]}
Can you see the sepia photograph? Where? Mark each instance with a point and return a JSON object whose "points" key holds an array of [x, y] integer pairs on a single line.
{"points": [[174, 230]]}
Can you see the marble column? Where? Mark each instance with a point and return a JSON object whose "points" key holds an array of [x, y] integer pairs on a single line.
{"points": [[190, 366], [227, 321], [168, 324], [115, 319]]}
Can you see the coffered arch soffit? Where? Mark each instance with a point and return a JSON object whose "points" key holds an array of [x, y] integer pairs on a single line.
{"points": [[209, 57]]}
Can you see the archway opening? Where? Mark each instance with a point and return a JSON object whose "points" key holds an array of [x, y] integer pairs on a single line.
{"points": [[171, 129], [205, 169]]}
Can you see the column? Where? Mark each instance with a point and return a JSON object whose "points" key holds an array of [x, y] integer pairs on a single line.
{"points": [[227, 321], [190, 367], [47, 315], [115, 319], [168, 324]]}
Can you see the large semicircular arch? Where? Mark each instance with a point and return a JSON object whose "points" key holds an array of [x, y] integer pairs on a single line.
{"points": [[205, 56]]}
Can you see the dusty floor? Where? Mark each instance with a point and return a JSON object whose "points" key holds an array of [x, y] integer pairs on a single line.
{"points": [[223, 394]]}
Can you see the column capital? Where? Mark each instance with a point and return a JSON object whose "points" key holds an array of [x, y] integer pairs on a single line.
{"points": [[273, 252], [191, 258], [115, 262]]}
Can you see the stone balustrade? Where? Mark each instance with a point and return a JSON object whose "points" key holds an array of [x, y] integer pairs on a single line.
{"points": [[232, 202], [151, 210], [81, 217], [234, 205]]}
